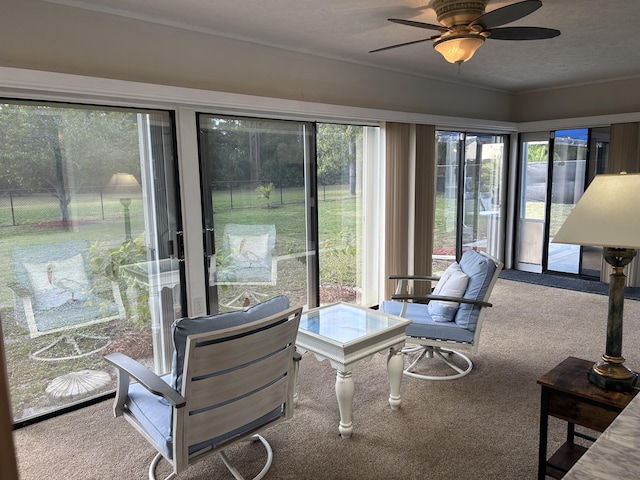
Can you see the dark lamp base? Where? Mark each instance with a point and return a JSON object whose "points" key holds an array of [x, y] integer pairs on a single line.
{"points": [[612, 376]]}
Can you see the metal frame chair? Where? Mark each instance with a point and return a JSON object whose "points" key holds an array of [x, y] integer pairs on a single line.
{"points": [[429, 338], [235, 382]]}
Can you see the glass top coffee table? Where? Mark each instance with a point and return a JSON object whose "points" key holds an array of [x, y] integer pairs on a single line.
{"points": [[346, 335]]}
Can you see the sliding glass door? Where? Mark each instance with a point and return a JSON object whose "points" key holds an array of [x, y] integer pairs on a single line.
{"points": [[555, 167], [348, 247], [532, 207], [483, 179], [88, 216], [568, 176], [260, 226], [448, 146], [469, 195], [283, 210]]}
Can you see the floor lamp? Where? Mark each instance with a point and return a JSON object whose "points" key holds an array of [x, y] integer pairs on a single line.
{"points": [[607, 216], [124, 184]]}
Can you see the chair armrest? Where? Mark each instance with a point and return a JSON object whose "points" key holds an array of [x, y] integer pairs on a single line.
{"points": [[149, 380], [19, 289], [402, 288], [414, 277], [422, 298]]}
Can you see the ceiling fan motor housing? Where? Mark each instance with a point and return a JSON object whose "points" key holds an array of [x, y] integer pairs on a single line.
{"points": [[458, 12]]}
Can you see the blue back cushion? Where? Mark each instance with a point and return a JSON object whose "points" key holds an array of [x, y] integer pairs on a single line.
{"points": [[184, 327], [480, 270]]}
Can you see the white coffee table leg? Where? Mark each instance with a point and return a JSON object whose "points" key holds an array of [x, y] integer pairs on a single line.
{"points": [[344, 392], [395, 364], [296, 370]]}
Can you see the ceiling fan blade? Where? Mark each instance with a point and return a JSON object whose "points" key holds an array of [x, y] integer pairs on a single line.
{"points": [[402, 44], [522, 33], [411, 23], [507, 14]]}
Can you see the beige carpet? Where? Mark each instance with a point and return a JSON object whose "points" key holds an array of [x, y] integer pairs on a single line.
{"points": [[483, 426]]}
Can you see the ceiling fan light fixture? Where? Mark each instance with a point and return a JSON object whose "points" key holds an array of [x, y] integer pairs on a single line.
{"points": [[458, 48]]}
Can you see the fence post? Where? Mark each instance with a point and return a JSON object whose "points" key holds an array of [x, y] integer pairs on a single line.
{"points": [[13, 213], [281, 197], [231, 196]]}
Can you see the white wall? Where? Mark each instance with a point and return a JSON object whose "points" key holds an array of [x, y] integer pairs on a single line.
{"points": [[43, 36], [605, 98], [55, 38]]}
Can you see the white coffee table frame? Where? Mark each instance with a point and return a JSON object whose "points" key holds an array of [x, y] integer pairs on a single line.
{"points": [[346, 335]]}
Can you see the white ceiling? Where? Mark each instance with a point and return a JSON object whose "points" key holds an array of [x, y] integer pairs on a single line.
{"points": [[600, 39]]}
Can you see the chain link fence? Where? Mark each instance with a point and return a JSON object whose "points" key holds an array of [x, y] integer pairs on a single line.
{"points": [[42, 206]]}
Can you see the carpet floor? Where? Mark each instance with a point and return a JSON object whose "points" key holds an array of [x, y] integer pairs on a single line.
{"points": [[482, 426], [567, 283]]}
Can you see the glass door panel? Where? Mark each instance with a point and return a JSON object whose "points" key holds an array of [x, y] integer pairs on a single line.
{"points": [[88, 207], [599, 138], [482, 193], [343, 160], [256, 175], [532, 204], [569, 172], [448, 146]]}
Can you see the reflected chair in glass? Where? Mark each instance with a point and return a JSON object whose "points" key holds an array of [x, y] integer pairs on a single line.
{"points": [[57, 293], [435, 334], [232, 377], [246, 261]]}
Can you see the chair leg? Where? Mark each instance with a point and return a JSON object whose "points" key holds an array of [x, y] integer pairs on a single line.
{"points": [[264, 470], [423, 353], [154, 464]]}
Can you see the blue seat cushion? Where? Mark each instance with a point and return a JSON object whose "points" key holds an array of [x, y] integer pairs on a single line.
{"points": [[184, 327], [480, 270], [424, 326], [154, 415]]}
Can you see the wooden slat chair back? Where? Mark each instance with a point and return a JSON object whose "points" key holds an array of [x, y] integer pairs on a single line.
{"points": [[236, 382]]}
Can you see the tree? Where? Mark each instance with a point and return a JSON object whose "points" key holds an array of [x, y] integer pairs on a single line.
{"points": [[60, 149], [337, 151]]}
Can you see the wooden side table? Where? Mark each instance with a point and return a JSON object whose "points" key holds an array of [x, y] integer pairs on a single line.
{"points": [[568, 395]]}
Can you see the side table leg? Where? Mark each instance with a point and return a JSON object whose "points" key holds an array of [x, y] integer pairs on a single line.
{"points": [[344, 392], [544, 425], [395, 364]]}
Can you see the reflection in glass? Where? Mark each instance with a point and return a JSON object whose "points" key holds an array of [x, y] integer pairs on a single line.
{"points": [[73, 242]]}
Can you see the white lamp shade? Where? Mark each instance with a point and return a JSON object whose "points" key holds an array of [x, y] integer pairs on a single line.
{"points": [[122, 184], [606, 215]]}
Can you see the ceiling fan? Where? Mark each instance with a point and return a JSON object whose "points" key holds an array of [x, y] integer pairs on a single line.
{"points": [[465, 26]]}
